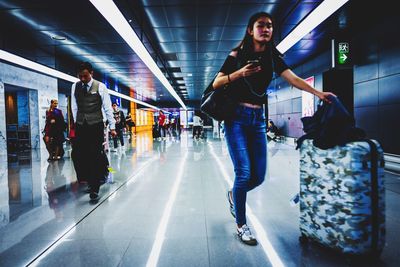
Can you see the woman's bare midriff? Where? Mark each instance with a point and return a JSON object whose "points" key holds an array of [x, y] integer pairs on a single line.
{"points": [[249, 105]]}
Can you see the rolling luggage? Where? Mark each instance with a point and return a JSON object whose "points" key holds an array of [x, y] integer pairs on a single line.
{"points": [[156, 132], [342, 197]]}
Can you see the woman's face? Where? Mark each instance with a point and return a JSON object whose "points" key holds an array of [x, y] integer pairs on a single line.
{"points": [[262, 30], [54, 104]]}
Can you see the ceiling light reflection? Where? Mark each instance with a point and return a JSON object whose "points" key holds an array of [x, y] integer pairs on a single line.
{"points": [[114, 16]]}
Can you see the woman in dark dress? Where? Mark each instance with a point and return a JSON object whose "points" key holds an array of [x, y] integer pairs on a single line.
{"points": [[54, 131]]}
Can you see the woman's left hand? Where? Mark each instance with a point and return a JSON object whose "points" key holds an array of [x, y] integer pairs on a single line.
{"points": [[324, 96]]}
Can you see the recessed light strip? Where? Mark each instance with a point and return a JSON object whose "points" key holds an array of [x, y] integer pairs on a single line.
{"points": [[35, 66], [114, 16], [14, 59], [317, 16], [162, 227]]}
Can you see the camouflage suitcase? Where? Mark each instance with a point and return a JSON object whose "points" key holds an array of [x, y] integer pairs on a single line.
{"points": [[342, 197]]}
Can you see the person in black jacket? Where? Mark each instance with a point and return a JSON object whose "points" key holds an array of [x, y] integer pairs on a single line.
{"points": [[120, 125], [248, 70], [272, 131]]}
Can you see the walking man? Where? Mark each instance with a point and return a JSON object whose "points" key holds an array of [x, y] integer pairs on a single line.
{"points": [[89, 98]]}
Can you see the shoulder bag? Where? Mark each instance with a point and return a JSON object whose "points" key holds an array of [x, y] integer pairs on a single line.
{"points": [[217, 104]]}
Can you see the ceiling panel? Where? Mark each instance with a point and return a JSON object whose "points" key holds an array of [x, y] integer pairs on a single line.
{"points": [[157, 16], [194, 37], [233, 32], [205, 47], [180, 16], [184, 34], [240, 14], [164, 34], [212, 33], [187, 56], [212, 15]]}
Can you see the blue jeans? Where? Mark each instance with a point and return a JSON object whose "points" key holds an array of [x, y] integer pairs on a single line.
{"points": [[246, 139]]}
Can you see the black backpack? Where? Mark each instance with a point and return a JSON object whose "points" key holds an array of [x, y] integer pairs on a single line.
{"points": [[331, 125]]}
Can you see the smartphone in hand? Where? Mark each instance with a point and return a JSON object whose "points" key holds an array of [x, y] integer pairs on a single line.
{"points": [[255, 63]]}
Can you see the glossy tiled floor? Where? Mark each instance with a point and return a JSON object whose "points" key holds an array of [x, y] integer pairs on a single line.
{"points": [[165, 205]]}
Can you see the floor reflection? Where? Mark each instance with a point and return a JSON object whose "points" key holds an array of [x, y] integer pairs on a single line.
{"points": [[27, 179], [59, 188], [20, 186]]}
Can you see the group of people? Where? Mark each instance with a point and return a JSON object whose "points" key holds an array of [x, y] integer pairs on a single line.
{"points": [[89, 101], [55, 127], [165, 125], [245, 134]]}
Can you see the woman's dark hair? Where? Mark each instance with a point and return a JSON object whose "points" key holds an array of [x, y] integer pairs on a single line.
{"points": [[247, 43], [85, 66]]}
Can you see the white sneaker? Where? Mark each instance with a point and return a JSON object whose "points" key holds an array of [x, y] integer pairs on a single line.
{"points": [[245, 235]]}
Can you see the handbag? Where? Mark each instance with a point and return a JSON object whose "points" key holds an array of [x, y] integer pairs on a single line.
{"points": [[217, 104]]}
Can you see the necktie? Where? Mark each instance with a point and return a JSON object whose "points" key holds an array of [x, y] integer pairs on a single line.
{"points": [[85, 88]]}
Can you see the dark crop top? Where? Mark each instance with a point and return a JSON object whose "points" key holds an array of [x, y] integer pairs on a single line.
{"points": [[240, 89]]}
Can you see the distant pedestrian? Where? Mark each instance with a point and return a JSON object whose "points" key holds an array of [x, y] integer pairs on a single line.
{"points": [[54, 131], [120, 126]]}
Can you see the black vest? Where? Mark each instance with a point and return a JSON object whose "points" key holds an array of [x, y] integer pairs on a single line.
{"points": [[89, 104]]}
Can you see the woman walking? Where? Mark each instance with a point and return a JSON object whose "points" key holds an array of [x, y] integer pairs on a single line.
{"points": [[54, 131], [248, 70]]}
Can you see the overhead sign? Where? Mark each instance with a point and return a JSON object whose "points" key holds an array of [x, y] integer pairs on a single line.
{"points": [[341, 56], [343, 53]]}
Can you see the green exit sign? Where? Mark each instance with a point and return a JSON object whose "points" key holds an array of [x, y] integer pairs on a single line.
{"points": [[343, 53]]}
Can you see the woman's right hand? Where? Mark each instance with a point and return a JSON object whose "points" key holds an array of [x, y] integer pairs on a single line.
{"points": [[249, 70]]}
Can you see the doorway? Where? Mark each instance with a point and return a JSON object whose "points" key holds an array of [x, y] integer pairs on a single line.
{"points": [[17, 124]]}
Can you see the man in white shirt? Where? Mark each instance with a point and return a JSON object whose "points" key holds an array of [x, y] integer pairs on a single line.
{"points": [[197, 126], [89, 100]]}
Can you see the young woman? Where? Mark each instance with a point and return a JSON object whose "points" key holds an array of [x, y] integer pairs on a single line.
{"points": [[54, 131], [248, 69]]}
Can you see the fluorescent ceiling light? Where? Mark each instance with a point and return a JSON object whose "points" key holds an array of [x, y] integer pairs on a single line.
{"points": [[17, 60], [35, 66], [318, 15], [112, 14]]}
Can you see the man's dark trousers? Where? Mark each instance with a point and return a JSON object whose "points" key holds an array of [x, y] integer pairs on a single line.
{"points": [[89, 151]]}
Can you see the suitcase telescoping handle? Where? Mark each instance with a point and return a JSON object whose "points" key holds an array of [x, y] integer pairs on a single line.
{"points": [[374, 196]]}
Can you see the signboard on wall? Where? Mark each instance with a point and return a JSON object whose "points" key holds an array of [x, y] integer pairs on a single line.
{"points": [[307, 100], [341, 54]]}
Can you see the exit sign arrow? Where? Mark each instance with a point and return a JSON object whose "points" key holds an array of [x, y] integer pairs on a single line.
{"points": [[343, 52]]}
